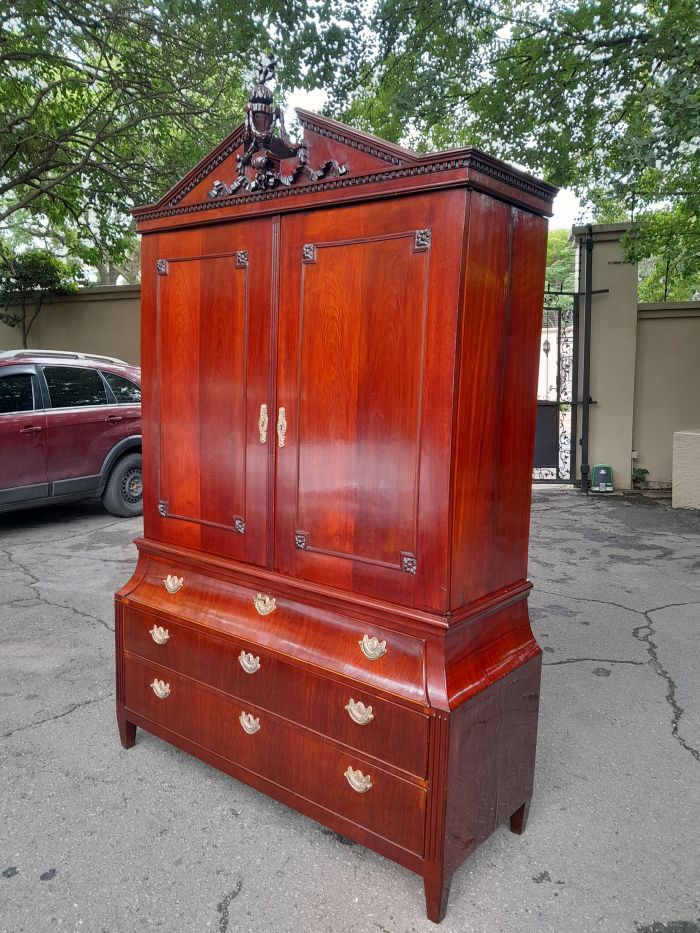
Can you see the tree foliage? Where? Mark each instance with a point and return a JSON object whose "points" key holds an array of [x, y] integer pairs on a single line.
{"points": [[599, 96], [26, 279], [103, 106]]}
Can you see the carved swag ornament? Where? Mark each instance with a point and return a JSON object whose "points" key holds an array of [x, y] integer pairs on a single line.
{"points": [[259, 166]]}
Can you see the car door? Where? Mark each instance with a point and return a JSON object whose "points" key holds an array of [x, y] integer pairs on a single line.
{"points": [[23, 436], [83, 425]]}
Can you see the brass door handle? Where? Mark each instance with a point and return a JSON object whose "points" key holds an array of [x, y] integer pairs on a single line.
{"points": [[281, 426], [159, 634], [262, 423], [359, 713], [359, 782]]}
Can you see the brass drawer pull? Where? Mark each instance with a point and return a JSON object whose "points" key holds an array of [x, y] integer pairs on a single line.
{"points": [[264, 604], [358, 781], [372, 648], [249, 664], [249, 722], [263, 421], [173, 583], [281, 426], [359, 713], [159, 634], [161, 689]]}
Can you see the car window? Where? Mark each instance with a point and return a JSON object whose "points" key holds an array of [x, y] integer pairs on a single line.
{"points": [[125, 391], [16, 393], [70, 386]]}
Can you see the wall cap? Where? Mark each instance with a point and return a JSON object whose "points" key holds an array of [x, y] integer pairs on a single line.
{"points": [[601, 232]]}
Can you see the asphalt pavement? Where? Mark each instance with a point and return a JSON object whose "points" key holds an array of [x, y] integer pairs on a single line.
{"points": [[95, 838]]}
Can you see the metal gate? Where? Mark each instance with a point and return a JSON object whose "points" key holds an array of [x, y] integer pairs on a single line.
{"points": [[555, 431]]}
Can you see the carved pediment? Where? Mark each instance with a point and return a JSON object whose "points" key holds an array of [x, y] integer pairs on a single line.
{"points": [[258, 161], [259, 155]]}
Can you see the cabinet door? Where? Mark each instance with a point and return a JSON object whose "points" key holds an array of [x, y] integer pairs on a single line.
{"points": [[213, 361], [367, 326]]}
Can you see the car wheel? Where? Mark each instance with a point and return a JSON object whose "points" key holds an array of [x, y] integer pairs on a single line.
{"points": [[123, 493]]}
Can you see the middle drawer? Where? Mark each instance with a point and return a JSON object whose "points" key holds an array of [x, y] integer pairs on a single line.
{"points": [[345, 713]]}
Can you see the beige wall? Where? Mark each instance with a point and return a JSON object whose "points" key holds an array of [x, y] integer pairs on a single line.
{"points": [[613, 350], [667, 383], [686, 470], [101, 320]]}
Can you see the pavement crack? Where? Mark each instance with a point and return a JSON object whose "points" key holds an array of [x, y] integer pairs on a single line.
{"points": [[67, 712], [644, 633], [223, 907], [599, 660]]}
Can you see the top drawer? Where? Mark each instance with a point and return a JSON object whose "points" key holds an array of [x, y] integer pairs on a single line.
{"points": [[381, 658]]}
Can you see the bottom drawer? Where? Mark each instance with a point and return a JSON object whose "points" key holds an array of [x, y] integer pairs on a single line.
{"points": [[273, 748]]}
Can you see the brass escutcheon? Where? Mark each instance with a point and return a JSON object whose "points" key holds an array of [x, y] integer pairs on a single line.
{"points": [[160, 688], [159, 634], [173, 583], [359, 713], [249, 722], [372, 648], [359, 782], [264, 604], [249, 663]]}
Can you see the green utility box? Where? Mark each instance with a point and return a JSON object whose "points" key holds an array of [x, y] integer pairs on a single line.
{"points": [[602, 478]]}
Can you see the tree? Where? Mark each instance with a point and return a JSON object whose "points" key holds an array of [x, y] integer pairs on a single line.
{"points": [[560, 261], [26, 279], [103, 106], [598, 96]]}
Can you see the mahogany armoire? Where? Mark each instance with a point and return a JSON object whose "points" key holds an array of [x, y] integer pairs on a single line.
{"points": [[340, 344]]}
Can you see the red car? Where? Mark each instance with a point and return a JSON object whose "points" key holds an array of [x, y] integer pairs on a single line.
{"points": [[70, 428]]}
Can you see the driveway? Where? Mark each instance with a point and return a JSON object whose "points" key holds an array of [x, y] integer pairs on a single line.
{"points": [[95, 838]]}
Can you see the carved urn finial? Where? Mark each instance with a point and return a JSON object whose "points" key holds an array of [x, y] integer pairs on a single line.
{"points": [[260, 113], [260, 164]]}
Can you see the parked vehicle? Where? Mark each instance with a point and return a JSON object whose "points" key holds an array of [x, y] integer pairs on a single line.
{"points": [[70, 428]]}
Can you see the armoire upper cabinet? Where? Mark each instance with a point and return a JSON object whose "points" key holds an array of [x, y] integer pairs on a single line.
{"points": [[315, 405]]}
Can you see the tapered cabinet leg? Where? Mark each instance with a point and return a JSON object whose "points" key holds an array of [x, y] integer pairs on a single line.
{"points": [[437, 892], [127, 733], [518, 820]]}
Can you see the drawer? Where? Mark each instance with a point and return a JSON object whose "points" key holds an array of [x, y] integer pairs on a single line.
{"points": [[350, 715], [287, 755], [379, 657]]}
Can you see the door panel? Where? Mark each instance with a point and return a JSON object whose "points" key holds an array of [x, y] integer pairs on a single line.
{"points": [[213, 362], [366, 384]]}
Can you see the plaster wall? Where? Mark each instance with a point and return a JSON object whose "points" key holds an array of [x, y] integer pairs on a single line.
{"points": [[667, 386], [102, 320]]}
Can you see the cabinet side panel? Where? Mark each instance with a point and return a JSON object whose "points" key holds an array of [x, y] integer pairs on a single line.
{"points": [[477, 438], [517, 436]]}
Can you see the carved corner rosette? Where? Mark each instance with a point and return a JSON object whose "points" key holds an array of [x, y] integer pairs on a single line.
{"points": [[163, 508], [423, 239], [301, 540], [162, 266], [259, 165], [409, 564], [242, 258], [308, 253]]}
